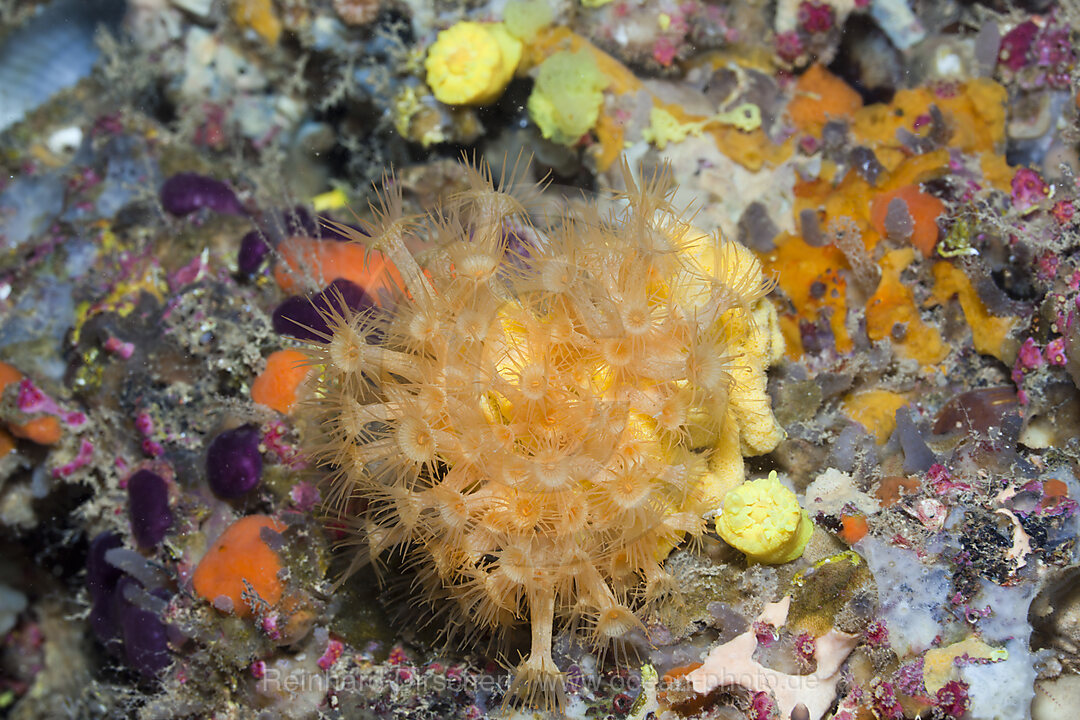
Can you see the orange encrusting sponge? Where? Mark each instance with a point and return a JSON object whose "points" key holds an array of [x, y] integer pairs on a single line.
{"points": [[276, 386], [328, 260], [43, 430], [240, 554]]}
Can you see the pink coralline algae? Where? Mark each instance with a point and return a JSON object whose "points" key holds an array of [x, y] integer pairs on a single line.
{"points": [[805, 647], [765, 633], [815, 17], [877, 633], [118, 347], [883, 697], [789, 46], [941, 480], [952, 699], [1055, 352], [1030, 356], [330, 656], [664, 51], [1038, 55], [1016, 44], [1063, 211], [1028, 189], [32, 400], [82, 458], [762, 706]]}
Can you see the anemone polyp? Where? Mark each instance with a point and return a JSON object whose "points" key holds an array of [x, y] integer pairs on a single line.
{"points": [[535, 424]]}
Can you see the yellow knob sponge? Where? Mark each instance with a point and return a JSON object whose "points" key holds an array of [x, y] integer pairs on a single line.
{"points": [[470, 63], [762, 518]]}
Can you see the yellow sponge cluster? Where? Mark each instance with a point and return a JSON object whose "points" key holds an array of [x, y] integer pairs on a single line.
{"points": [[762, 518], [565, 102], [470, 63]]}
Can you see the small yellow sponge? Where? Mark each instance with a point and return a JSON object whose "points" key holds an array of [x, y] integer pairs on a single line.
{"points": [[470, 63], [762, 518]]}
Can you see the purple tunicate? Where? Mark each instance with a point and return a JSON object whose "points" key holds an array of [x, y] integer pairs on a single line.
{"points": [[252, 254], [303, 317], [186, 192], [146, 647], [101, 577], [101, 581], [233, 462], [148, 507]]}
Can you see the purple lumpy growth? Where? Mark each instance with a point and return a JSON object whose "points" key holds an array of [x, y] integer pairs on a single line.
{"points": [[233, 462], [148, 507], [186, 192]]}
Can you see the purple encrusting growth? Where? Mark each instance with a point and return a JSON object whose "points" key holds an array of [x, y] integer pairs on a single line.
{"points": [[252, 254], [184, 193], [148, 507], [233, 462], [304, 318]]}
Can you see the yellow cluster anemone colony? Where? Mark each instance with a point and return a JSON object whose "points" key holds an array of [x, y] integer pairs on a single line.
{"points": [[547, 407]]}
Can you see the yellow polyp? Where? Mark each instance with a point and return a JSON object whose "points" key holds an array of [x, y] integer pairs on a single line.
{"points": [[329, 200], [471, 63], [762, 519]]}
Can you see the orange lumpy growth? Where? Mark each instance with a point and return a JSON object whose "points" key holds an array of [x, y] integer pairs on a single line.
{"points": [[991, 334], [327, 260], [8, 374], [43, 430], [1055, 488], [819, 97], [241, 554], [809, 277], [924, 209], [7, 443], [276, 386], [891, 313]]}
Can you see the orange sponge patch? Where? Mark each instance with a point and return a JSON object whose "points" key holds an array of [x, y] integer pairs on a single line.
{"points": [[924, 209], [328, 260], [8, 374], [276, 386], [239, 555], [819, 97], [43, 430]]}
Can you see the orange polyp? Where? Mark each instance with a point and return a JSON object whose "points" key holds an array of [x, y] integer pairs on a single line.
{"points": [[328, 260], [276, 386], [854, 528], [240, 554]]}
